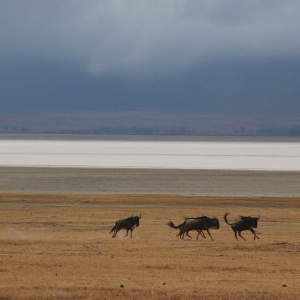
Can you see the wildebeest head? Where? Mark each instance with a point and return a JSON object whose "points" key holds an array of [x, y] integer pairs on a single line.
{"points": [[215, 223], [254, 221], [137, 220]]}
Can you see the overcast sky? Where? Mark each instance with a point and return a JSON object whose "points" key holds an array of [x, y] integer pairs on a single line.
{"points": [[213, 56]]}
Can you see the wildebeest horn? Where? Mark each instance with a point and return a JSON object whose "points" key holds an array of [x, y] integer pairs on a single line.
{"points": [[258, 217], [140, 216]]}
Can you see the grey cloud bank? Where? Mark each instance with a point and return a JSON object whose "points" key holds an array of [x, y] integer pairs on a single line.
{"points": [[149, 38]]}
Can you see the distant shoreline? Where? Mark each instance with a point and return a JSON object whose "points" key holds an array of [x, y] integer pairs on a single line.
{"points": [[99, 137], [151, 123]]}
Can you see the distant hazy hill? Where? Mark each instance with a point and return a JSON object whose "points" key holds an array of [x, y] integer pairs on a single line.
{"points": [[144, 123]]}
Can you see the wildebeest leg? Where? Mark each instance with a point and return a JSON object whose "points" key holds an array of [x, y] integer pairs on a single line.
{"points": [[115, 232], [241, 236], [126, 232], [202, 233], [187, 233], [255, 236], [180, 234], [235, 234], [209, 234], [131, 233]]}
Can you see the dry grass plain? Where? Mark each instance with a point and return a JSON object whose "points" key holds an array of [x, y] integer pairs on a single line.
{"points": [[59, 247]]}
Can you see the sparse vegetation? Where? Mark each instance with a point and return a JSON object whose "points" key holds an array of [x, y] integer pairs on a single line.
{"points": [[59, 247]]}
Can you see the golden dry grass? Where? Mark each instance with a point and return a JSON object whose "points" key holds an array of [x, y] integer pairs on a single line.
{"points": [[59, 247]]}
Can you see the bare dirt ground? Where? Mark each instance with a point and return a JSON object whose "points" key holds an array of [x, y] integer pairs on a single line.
{"points": [[58, 246]]}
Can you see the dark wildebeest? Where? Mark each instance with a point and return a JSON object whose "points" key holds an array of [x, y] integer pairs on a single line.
{"points": [[198, 224], [244, 223], [128, 224]]}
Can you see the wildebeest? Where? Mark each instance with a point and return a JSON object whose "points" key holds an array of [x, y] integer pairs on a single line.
{"points": [[244, 223], [198, 224], [128, 224]]}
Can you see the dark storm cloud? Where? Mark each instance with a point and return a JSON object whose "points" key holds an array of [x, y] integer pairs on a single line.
{"points": [[264, 88], [193, 56], [145, 39]]}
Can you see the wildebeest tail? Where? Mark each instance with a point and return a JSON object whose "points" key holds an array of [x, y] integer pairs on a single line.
{"points": [[225, 218], [171, 224], [113, 229]]}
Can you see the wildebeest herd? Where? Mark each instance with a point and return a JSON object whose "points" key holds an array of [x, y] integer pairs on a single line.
{"points": [[198, 224]]}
